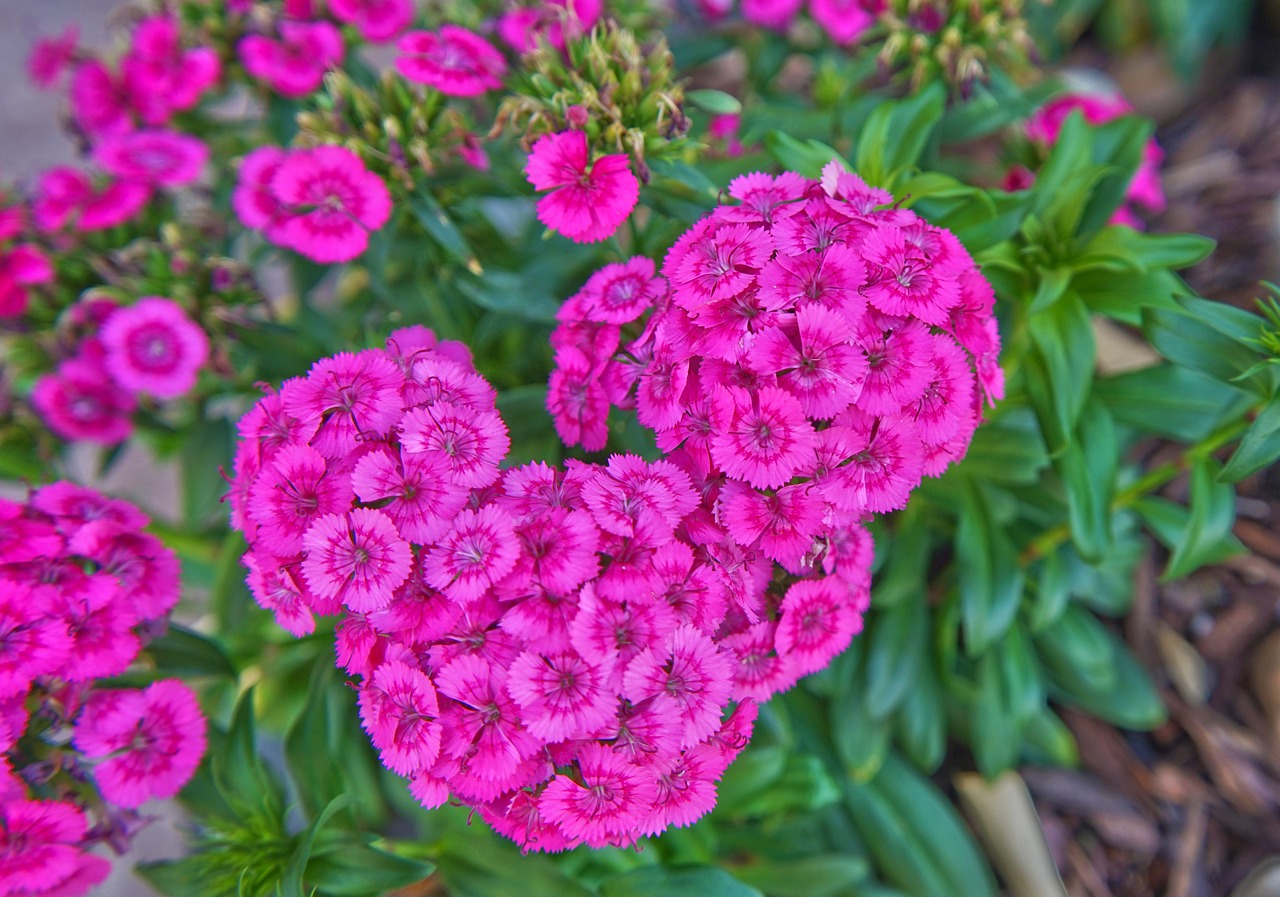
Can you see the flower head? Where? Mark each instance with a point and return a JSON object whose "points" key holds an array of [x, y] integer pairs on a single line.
{"points": [[455, 61], [153, 347], [588, 199]]}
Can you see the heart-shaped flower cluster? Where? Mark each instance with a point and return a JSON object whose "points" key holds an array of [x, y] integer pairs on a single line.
{"points": [[810, 353], [82, 588], [574, 652]]}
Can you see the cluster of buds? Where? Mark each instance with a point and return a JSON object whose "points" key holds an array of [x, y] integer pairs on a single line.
{"points": [[395, 128], [621, 93], [959, 41]]}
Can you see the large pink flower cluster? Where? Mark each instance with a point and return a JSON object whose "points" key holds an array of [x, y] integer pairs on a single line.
{"points": [[1145, 191], [321, 202], [82, 587], [810, 355], [118, 354], [576, 653]]}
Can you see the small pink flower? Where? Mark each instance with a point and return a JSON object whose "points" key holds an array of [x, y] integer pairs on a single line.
{"points": [[80, 401], [607, 807], [156, 158], [41, 850], [776, 14], [818, 621], [100, 101], [21, 266], [588, 199], [455, 61], [845, 20], [160, 76], [399, 710], [51, 57], [254, 203], [153, 347], [153, 740], [333, 203], [376, 20], [357, 558], [295, 64]]}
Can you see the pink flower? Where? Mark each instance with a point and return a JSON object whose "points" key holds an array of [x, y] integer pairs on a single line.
{"points": [[588, 199], [80, 401], [333, 203], [845, 20], [152, 740], [399, 711], [100, 102], [455, 61], [376, 20], [776, 14], [357, 558], [818, 621], [40, 850], [155, 158], [254, 203], [153, 347], [763, 438], [294, 490], [65, 196], [161, 77], [51, 57], [561, 697], [295, 64], [479, 551], [21, 266], [609, 804]]}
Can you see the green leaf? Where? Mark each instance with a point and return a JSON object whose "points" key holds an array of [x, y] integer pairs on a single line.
{"points": [[207, 448], [1142, 251], [989, 577], [896, 133], [994, 733], [440, 227], [533, 434], [1171, 401], [1052, 283], [921, 722], [186, 653], [1077, 650], [896, 645], [509, 293], [807, 157], [1065, 349], [1129, 699], [692, 881], [1007, 450], [717, 102], [1047, 740], [237, 769], [1121, 293], [291, 885], [1206, 535], [351, 868], [1052, 591], [1192, 341], [1260, 445], [861, 740], [1119, 145], [773, 782], [476, 866], [917, 841], [821, 875], [1088, 469], [176, 878]]}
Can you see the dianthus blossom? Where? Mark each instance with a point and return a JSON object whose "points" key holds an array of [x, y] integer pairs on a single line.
{"points": [[553, 21], [51, 57], [1144, 192], [561, 649], [153, 347], [322, 202], [21, 266], [455, 61], [69, 198], [294, 65], [156, 158], [82, 588], [588, 198], [376, 20]]}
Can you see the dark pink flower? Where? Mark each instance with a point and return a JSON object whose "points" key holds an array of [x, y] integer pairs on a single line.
{"points": [[155, 158], [161, 77], [399, 710], [80, 401], [376, 20], [588, 199], [818, 621], [333, 203], [845, 20], [561, 697], [357, 558], [51, 56], [295, 64], [151, 740], [41, 850], [100, 101], [153, 347], [21, 266], [254, 203], [455, 61], [67, 197], [775, 14], [608, 805]]}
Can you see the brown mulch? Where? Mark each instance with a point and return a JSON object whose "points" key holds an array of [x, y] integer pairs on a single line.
{"points": [[1193, 808]]}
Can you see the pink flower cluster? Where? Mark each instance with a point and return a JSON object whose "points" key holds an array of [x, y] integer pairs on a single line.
{"points": [[321, 202], [22, 265], [453, 60], [810, 356], [587, 199], [560, 649], [81, 588], [150, 347], [1044, 126], [294, 64], [156, 79]]}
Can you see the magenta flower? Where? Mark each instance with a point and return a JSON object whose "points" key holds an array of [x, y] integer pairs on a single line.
{"points": [[153, 347], [80, 401], [333, 203], [607, 807], [161, 77], [588, 199], [776, 14], [399, 710], [845, 20], [455, 61], [376, 20], [66, 197], [100, 102], [295, 64], [818, 622], [357, 558], [21, 266], [40, 850], [254, 203], [51, 57], [152, 740], [155, 158]]}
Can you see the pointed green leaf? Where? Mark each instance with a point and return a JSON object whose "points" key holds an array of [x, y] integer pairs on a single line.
{"points": [[989, 577], [1260, 446]]}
